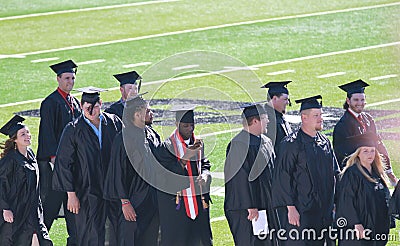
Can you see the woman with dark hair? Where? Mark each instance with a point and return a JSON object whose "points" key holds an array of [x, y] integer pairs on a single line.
{"points": [[363, 196], [20, 205]]}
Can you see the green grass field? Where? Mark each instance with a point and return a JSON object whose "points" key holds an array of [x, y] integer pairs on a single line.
{"points": [[317, 44]]}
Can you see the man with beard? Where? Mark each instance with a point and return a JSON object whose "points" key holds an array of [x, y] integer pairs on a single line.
{"points": [[128, 87], [129, 178], [151, 135], [56, 110], [278, 128], [304, 179], [81, 164], [355, 122], [248, 177], [183, 195]]}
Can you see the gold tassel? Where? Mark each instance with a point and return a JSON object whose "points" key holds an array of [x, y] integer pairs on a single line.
{"points": [[203, 201], [178, 194]]}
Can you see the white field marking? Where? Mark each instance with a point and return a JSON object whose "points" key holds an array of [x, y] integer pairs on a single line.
{"points": [[201, 29], [240, 68], [90, 62], [327, 54], [45, 59], [218, 133], [230, 70], [328, 75], [384, 77], [281, 72], [11, 56], [85, 9], [217, 219], [136, 64], [382, 102], [185, 67]]}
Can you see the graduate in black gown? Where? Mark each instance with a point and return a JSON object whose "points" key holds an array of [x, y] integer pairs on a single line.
{"points": [[20, 204], [152, 136], [248, 177], [278, 128], [129, 176], [304, 178], [355, 122], [183, 189], [363, 195], [56, 110], [128, 86], [81, 165]]}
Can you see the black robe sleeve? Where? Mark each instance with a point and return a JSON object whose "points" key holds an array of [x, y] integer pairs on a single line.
{"points": [[6, 169], [283, 181], [347, 198], [115, 186], [63, 176], [48, 138]]}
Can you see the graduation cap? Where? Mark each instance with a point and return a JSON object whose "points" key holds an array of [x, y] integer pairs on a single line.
{"points": [[275, 88], [135, 101], [127, 78], [12, 126], [64, 67], [90, 95], [310, 102], [184, 113], [368, 139], [357, 86], [252, 109]]}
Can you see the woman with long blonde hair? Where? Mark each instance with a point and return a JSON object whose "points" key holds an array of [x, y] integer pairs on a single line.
{"points": [[363, 196], [21, 210]]}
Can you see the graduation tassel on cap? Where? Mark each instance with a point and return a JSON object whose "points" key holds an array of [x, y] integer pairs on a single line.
{"points": [[178, 200]]}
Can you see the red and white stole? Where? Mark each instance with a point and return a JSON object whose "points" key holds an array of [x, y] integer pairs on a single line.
{"points": [[189, 194]]}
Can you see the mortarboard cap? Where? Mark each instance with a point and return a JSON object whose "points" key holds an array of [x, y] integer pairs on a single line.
{"points": [[310, 102], [184, 113], [368, 139], [135, 101], [275, 88], [127, 78], [90, 94], [252, 109], [357, 86], [64, 67], [12, 126]]}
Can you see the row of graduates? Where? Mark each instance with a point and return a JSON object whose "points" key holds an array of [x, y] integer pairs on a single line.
{"points": [[104, 169], [299, 182]]}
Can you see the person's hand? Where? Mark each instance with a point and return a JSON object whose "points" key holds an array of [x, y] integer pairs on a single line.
{"points": [[293, 216], [253, 214], [393, 179], [8, 216], [192, 150], [73, 204], [129, 212], [359, 231], [53, 160], [202, 179]]}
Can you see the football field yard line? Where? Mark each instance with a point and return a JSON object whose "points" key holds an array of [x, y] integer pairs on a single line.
{"points": [[241, 68], [116, 41], [85, 9]]}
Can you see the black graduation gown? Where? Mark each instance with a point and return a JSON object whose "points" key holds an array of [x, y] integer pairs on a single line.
{"points": [[124, 182], [19, 192], [394, 205], [363, 202], [152, 137], [116, 108], [278, 128], [348, 126], [54, 116], [81, 166], [304, 176], [176, 227], [248, 177]]}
